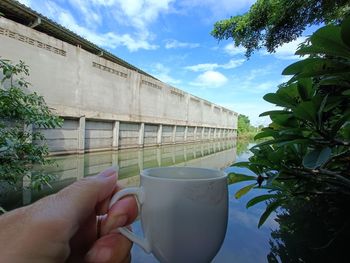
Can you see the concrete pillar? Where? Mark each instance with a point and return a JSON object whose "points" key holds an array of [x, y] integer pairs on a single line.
{"points": [[215, 134], [141, 134], [115, 143], [185, 134], [80, 166], [174, 134], [202, 136], [81, 135], [159, 156], [209, 134], [140, 159], [173, 155], [159, 135], [115, 159], [195, 134], [26, 189]]}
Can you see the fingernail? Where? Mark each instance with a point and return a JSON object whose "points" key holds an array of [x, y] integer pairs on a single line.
{"points": [[117, 222], [108, 172], [121, 220], [99, 255]]}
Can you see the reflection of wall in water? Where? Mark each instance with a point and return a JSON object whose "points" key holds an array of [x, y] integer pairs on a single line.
{"points": [[130, 162], [219, 154]]}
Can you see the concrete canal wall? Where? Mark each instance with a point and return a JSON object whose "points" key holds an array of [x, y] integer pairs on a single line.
{"points": [[105, 104]]}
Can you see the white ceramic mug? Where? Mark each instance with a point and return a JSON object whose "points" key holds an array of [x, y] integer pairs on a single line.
{"points": [[183, 213]]}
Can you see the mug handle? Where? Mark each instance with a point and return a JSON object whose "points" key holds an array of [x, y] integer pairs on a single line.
{"points": [[139, 193]]}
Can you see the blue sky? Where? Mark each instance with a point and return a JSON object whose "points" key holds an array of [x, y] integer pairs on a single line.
{"points": [[170, 39]]}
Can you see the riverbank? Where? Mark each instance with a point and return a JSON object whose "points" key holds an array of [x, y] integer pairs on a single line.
{"points": [[247, 136]]}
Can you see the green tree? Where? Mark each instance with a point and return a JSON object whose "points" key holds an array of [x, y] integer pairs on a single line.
{"points": [[270, 23], [308, 151], [243, 124], [21, 109]]}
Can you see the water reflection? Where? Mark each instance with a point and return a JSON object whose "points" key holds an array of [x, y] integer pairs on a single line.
{"points": [[302, 232], [244, 242], [313, 231], [68, 169]]}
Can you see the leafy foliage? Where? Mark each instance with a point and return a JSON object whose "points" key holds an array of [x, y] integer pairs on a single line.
{"points": [[270, 23], [245, 129], [314, 230], [307, 153], [20, 110]]}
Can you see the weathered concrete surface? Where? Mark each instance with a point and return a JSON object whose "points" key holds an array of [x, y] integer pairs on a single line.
{"points": [[92, 93]]}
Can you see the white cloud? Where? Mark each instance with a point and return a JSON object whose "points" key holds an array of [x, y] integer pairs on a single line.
{"points": [[162, 73], [233, 63], [138, 13], [210, 79], [287, 50], [172, 43], [90, 14], [257, 87], [133, 17], [108, 39], [232, 50], [202, 67]]}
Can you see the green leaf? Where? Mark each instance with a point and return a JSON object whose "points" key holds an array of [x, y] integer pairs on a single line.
{"points": [[321, 110], [265, 134], [306, 110], [346, 92], [345, 31], [305, 88], [284, 120], [269, 209], [2, 210], [338, 80], [313, 67], [259, 199], [274, 112], [326, 40], [339, 124], [244, 190], [279, 100], [241, 164], [317, 158], [236, 177]]}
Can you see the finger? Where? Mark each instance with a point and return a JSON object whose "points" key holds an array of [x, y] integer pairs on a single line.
{"points": [[113, 247], [122, 213], [103, 207], [80, 199]]}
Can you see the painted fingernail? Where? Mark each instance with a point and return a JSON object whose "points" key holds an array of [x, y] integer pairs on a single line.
{"points": [[99, 255]]}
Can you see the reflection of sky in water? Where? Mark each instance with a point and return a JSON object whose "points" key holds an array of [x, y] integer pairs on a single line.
{"points": [[244, 242]]}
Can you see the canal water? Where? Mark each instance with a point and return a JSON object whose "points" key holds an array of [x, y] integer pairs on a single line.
{"points": [[301, 232], [244, 242]]}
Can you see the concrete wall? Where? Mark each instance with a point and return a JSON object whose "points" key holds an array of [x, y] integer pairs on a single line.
{"points": [[78, 84]]}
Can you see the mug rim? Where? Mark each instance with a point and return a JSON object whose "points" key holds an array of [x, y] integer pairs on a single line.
{"points": [[144, 173]]}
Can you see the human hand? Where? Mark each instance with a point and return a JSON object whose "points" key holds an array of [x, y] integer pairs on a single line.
{"points": [[62, 227]]}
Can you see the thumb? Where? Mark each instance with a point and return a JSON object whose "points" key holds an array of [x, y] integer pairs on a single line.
{"points": [[79, 200]]}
